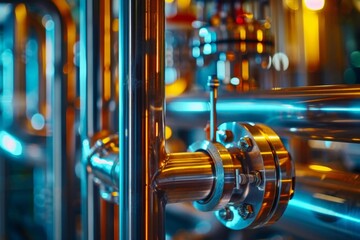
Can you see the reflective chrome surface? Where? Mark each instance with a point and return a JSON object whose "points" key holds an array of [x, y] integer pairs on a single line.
{"points": [[141, 126], [44, 142], [328, 201], [263, 201], [323, 112], [186, 177]]}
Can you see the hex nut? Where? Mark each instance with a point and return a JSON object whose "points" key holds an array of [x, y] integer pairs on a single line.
{"points": [[226, 214], [245, 144], [245, 210]]}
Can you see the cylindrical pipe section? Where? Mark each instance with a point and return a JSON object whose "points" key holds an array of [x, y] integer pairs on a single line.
{"points": [[105, 167], [186, 177], [141, 117], [325, 204], [323, 113]]}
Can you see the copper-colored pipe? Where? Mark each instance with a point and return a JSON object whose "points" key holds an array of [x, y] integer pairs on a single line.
{"points": [[181, 172]]}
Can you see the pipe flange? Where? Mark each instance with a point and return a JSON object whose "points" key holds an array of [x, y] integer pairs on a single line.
{"points": [[224, 175], [264, 154]]}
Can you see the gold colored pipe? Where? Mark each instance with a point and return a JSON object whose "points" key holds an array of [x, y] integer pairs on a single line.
{"points": [[186, 177]]}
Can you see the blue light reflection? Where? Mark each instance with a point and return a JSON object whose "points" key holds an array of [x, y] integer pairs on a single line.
{"points": [[322, 210], [10, 144]]}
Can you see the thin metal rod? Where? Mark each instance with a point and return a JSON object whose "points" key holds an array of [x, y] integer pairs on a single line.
{"points": [[323, 113], [141, 118], [213, 84]]}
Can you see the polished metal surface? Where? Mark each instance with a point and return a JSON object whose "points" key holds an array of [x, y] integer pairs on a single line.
{"points": [[186, 177], [141, 126], [213, 83], [223, 173], [325, 204], [259, 202], [322, 112], [98, 110], [242, 170], [103, 161]]}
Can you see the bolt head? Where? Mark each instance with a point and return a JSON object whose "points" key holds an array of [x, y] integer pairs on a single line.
{"points": [[225, 136], [245, 144], [245, 211], [226, 214]]}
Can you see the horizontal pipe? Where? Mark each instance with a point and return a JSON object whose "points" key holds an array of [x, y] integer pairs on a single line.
{"points": [[186, 177], [320, 112], [325, 205], [105, 167]]}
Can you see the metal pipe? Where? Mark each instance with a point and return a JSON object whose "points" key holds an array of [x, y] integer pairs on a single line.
{"points": [[183, 177], [322, 112], [103, 161], [95, 113], [141, 124], [186, 177], [328, 201]]}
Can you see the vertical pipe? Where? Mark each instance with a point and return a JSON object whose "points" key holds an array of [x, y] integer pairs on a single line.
{"points": [[95, 90], [141, 116], [88, 73]]}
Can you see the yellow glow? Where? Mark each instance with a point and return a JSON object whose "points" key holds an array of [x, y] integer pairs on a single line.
{"points": [[320, 168], [243, 46], [107, 50], [259, 35], [176, 88], [115, 25], [267, 25], [183, 4], [260, 47], [242, 33], [314, 4], [245, 69], [311, 38], [168, 132], [20, 12], [169, 1], [292, 4], [356, 4]]}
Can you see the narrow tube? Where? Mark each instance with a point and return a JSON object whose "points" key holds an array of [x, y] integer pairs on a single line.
{"points": [[186, 177]]}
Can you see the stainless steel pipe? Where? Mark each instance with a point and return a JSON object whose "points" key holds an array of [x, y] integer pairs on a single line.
{"points": [[141, 107], [181, 172], [328, 201], [322, 112]]}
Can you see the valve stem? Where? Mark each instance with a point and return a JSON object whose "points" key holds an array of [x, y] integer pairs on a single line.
{"points": [[213, 83]]}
